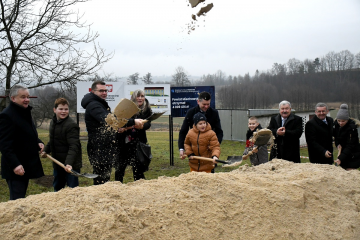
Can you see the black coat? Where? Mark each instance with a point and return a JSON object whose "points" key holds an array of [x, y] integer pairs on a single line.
{"points": [[287, 147], [212, 116], [64, 144], [319, 139], [102, 142], [347, 137], [19, 143]]}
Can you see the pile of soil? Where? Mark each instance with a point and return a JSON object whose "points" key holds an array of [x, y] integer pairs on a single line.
{"points": [[276, 200]]}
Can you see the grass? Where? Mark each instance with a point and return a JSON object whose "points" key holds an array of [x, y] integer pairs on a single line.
{"points": [[160, 164]]}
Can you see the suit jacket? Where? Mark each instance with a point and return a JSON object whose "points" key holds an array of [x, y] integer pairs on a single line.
{"points": [[287, 147], [19, 143], [319, 139]]}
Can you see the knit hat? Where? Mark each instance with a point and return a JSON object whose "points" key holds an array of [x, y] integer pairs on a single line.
{"points": [[343, 113], [199, 117]]}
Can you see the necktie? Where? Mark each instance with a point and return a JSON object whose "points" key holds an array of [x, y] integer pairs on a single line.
{"points": [[325, 121], [283, 121]]}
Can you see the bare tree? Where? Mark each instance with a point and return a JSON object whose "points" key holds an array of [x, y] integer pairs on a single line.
{"points": [[133, 79], [147, 79], [357, 60], [38, 45], [180, 78]]}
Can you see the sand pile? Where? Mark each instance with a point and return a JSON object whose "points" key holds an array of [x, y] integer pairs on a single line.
{"points": [[277, 200]]}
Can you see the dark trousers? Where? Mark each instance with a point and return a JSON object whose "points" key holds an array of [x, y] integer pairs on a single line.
{"points": [[104, 172], [120, 172], [62, 178], [101, 161], [17, 188], [127, 157]]}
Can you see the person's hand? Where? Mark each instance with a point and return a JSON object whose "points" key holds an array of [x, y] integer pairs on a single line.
{"points": [[43, 155], [255, 150], [244, 157], [215, 158], [191, 157], [19, 170], [281, 131], [139, 124], [337, 162], [68, 168], [182, 155], [339, 147], [41, 146], [328, 154], [121, 130]]}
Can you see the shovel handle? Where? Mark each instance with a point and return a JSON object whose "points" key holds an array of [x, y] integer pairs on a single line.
{"points": [[339, 152], [144, 121], [245, 156], [209, 159], [56, 161]]}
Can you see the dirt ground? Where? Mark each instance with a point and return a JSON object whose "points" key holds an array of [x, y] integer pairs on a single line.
{"points": [[276, 200]]}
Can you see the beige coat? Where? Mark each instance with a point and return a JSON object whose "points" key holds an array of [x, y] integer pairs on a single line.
{"points": [[204, 144]]}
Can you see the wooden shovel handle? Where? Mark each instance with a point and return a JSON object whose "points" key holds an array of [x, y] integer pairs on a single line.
{"points": [[56, 161], [209, 159], [144, 121], [339, 152], [245, 156]]}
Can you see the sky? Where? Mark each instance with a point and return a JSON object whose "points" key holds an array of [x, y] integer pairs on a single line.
{"points": [[236, 36]]}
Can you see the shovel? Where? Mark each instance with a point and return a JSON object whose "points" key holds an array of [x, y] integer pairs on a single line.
{"points": [[153, 117], [339, 152], [87, 175], [260, 138], [233, 160]]}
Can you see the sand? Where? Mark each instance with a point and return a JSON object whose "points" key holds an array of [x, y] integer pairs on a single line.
{"points": [[276, 200]]}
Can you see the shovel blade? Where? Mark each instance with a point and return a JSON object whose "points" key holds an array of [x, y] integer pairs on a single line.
{"points": [[87, 175], [125, 109], [233, 161]]}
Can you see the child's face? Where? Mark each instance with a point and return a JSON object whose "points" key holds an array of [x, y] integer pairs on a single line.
{"points": [[253, 124], [62, 111], [201, 126]]}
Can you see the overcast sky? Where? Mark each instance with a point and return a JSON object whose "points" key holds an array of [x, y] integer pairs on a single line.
{"points": [[236, 36]]}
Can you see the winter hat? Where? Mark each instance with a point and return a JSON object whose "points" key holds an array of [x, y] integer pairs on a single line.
{"points": [[199, 117], [343, 113]]}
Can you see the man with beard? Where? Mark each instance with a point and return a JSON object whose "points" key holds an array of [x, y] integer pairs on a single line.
{"points": [[318, 133], [287, 129]]}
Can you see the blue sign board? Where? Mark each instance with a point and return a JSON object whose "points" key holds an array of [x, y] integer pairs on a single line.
{"points": [[184, 98]]}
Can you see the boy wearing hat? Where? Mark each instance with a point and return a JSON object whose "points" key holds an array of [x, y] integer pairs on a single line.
{"points": [[211, 114], [347, 139], [201, 141]]}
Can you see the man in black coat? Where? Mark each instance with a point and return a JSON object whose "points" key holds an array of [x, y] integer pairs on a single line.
{"points": [[211, 115], [102, 144], [318, 133], [287, 129], [19, 144]]}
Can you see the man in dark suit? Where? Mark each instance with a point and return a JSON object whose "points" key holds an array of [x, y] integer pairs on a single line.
{"points": [[318, 133], [19, 144], [287, 129], [212, 117]]}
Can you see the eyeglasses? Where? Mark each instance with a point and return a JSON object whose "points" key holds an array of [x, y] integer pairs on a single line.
{"points": [[102, 91]]}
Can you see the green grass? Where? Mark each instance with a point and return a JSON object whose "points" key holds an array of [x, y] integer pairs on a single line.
{"points": [[160, 164]]}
